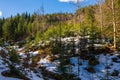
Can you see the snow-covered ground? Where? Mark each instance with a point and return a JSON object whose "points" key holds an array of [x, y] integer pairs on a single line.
{"points": [[50, 66], [3, 67], [101, 71]]}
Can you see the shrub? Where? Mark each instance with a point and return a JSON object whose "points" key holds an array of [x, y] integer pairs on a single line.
{"points": [[3, 54], [90, 69], [1, 42], [93, 61], [14, 70], [114, 59], [115, 73], [16, 73], [14, 57], [35, 59], [118, 56]]}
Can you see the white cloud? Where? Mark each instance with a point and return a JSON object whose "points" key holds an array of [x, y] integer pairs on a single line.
{"points": [[0, 13], [70, 0]]}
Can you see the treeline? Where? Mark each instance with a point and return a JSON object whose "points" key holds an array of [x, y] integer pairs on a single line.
{"points": [[99, 21], [106, 16], [23, 26]]}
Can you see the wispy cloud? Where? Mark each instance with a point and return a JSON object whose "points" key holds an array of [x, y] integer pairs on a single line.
{"points": [[0, 13], [71, 1]]}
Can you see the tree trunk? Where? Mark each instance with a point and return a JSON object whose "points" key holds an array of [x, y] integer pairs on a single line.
{"points": [[114, 24], [101, 18]]}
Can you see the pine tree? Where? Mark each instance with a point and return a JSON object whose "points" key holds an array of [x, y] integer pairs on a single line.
{"points": [[6, 30]]}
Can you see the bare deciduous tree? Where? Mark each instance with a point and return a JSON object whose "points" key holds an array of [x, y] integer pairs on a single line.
{"points": [[100, 2], [114, 23]]}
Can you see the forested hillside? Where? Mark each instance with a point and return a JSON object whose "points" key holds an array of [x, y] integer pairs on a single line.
{"points": [[97, 18], [84, 45]]}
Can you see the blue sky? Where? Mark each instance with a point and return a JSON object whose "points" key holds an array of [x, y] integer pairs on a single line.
{"points": [[12, 7]]}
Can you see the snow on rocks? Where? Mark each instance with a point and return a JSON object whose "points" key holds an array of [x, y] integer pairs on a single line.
{"points": [[34, 53], [44, 62], [1, 48], [35, 77], [50, 66], [19, 49], [23, 55]]}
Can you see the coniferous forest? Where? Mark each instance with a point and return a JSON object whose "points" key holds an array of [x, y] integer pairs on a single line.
{"points": [[84, 45]]}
